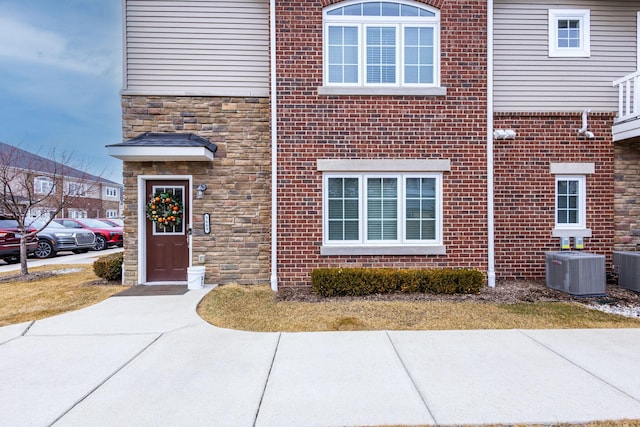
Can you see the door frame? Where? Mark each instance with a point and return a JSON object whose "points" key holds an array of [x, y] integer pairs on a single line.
{"points": [[142, 229]]}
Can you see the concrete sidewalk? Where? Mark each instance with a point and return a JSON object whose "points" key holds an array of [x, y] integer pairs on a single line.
{"points": [[151, 361]]}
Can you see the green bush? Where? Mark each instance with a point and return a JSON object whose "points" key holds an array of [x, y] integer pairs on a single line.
{"points": [[109, 267], [329, 282]]}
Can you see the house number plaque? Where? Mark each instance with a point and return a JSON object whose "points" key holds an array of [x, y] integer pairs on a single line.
{"points": [[206, 220]]}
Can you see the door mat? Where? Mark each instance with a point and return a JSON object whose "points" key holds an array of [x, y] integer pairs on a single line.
{"points": [[151, 290]]}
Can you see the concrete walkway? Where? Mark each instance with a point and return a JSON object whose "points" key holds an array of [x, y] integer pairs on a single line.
{"points": [[151, 361]]}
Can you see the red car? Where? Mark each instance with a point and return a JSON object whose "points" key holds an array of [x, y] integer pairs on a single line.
{"points": [[106, 235], [116, 222], [10, 241]]}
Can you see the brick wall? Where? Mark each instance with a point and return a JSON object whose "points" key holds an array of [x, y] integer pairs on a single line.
{"points": [[384, 127], [627, 195], [525, 188], [238, 180]]}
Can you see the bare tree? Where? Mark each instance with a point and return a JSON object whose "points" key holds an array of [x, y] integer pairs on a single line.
{"points": [[33, 187]]}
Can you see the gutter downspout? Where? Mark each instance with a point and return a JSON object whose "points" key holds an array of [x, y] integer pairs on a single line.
{"points": [[491, 273], [274, 146]]}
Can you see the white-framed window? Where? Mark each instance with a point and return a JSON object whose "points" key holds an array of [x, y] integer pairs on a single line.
{"points": [[43, 185], [111, 192], [381, 44], [175, 229], [569, 33], [40, 213], [111, 213], [571, 203], [382, 209], [77, 213], [76, 189]]}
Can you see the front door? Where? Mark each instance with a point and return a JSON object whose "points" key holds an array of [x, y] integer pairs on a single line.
{"points": [[167, 240]]}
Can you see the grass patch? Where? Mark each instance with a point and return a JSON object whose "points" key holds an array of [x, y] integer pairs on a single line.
{"points": [[254, 308], [50, 290]]}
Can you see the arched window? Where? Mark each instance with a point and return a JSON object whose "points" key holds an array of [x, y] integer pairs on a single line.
{"points": [[381, 43]]}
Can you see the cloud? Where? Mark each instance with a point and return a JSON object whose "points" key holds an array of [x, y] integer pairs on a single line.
{"points": [[23, 42]]}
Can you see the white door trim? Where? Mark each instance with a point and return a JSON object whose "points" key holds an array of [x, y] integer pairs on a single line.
{"points": [[142, 229]]}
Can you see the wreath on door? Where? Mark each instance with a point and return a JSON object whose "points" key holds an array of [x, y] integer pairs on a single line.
{"points": [[165, 209]]}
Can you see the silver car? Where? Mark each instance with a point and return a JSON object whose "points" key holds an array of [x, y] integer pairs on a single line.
{"points": [[56, 237]]}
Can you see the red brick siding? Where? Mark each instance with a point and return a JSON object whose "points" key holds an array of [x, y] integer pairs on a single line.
{"points": [[383, 127], [525, 188]]}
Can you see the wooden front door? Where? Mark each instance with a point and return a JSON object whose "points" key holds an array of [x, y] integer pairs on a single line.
{"points": [[168, 244]]}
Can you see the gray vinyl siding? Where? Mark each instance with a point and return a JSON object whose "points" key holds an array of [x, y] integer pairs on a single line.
{"points": [[527, 79], [196, 47]]}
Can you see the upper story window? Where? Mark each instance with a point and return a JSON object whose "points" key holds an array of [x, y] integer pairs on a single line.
{"points": [[569, 33], [43, 185], [76, 189], [111, 192], [381, 44]]}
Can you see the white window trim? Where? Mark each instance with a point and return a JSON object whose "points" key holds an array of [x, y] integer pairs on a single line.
{"points": [[80, 186], [112, 189], [564, 170], [398, 88], [38, 183], [402, 246], [582, 203], [582, 15]]}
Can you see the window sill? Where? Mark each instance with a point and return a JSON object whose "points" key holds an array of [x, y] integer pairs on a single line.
{"points": [[383, 250], [376, 91], [571, 232]]}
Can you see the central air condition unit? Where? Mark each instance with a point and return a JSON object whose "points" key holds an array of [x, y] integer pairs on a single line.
{"points": [[576, 273], [628, 264]]}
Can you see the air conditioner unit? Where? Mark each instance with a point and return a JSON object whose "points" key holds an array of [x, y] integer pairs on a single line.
{"points": [[628, 264], [576, 273]]}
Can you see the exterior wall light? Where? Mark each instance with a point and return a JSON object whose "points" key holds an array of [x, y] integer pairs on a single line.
{"points": [[200, 189]]}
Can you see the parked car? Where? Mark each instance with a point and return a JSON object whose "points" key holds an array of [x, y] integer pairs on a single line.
{"points": [[115, 222], [10, 241], [106, 235], [56, 237]]}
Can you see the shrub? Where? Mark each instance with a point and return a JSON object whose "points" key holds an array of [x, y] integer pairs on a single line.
{"points": [[109, 267], [329, 282]]}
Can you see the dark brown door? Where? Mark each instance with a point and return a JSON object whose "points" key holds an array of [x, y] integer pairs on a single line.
{"points": [[167, 243]]}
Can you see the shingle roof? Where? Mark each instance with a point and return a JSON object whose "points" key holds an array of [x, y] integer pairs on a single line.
{"points": [[23, 159], [150, 139]]}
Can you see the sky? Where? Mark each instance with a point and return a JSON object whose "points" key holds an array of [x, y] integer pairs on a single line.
{"points": [[60, 80]]}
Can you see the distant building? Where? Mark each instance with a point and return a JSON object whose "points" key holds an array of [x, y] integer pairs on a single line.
{"points": [[92, 196]]}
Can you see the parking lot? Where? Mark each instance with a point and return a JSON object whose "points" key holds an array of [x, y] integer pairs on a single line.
{"points": [[60, 258]]}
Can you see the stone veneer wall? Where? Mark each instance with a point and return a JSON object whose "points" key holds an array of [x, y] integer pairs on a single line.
{"points": [[238, 180], [627, 195]]}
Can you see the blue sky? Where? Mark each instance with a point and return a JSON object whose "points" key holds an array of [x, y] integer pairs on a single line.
{"points": [[60, 78]]}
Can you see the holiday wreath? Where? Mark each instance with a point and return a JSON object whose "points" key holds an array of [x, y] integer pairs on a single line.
{"points": [[165, 209]]}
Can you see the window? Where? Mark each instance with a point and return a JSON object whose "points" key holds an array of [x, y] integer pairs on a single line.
{"points": [[382, 209], [176, 229], [570, 201], [112, 213], [382, 44], [43, 185], [76, 189], [77, 213], [569, 33], [111, 192]]}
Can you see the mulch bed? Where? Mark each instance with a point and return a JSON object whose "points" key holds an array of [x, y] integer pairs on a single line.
{"points": [[505, 292]]}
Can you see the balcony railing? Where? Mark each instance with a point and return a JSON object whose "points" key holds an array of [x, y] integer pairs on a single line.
{"points": [[628, 97]]}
